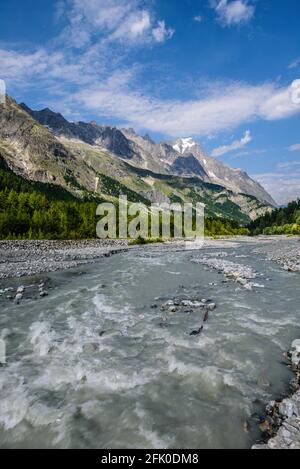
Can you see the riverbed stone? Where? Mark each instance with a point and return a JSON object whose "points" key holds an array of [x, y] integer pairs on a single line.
{"points": [[296, 345], [43, 294], [287, 408], [18, 297]]}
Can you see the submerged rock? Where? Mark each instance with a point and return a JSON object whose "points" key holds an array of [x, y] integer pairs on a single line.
{"points": [[197, 332], [90, 348]]}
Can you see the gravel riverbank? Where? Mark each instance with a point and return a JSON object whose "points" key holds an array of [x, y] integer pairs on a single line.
{"points": [[283, 250], [25, 258]]}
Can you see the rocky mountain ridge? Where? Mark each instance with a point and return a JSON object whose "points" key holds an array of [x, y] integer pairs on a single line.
{"points": [[183, 157], [45, 147]]}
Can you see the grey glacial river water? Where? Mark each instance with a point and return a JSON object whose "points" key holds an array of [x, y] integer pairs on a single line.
{"points": [[98, 364]]}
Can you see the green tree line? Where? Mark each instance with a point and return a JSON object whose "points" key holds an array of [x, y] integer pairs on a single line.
{"points": [[281, 221], [32, 210]]}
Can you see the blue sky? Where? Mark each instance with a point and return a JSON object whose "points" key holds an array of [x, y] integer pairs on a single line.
{"points": [[222, 71]]}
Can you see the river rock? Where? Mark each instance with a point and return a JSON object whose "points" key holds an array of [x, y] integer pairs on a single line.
{"points": [[265, 427], [296, 346], [18, 297], [260, 447], [241, 281], [43, 294], [270, 407], [21, 289], [287, 408]]}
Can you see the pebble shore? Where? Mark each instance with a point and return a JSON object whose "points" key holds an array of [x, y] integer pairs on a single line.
{"points": [[25, 258], [284, 251]]}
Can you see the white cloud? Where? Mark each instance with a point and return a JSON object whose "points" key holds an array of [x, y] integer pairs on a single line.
{"points": [[295, 147], [224, 108], [87, 83], [289, 165], [14, 64], [233, 12], [284, 184], [236, 145], [126, 21], [22, 69], [285, 102], [253, 152], [161, 32], [198, 18], [294, 64]]}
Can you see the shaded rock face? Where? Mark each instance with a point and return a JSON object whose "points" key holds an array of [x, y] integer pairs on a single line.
{"points": [[108, 137], [188, 166]]}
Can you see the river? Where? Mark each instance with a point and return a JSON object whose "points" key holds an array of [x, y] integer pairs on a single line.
{"points": [[102, 363]]}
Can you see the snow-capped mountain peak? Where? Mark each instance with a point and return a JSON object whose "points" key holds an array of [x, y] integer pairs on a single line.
{"points": [[183, 144]]}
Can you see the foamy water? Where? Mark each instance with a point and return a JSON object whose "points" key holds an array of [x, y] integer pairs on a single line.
{"points": [[98, 364]]}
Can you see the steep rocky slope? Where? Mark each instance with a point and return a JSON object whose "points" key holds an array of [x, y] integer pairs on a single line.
{"points": [[218, 172], [184, 157], [33, 152], [77, 157]]}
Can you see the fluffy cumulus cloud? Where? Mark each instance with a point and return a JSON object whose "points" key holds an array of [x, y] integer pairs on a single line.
{"points": [[234, 146], [233, 12], [127, 21]]}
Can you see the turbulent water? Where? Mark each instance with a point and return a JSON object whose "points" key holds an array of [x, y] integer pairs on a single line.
{"points": [[99, 364]]}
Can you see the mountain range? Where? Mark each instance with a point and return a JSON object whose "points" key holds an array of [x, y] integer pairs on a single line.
{"points": [[106, 161]]}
